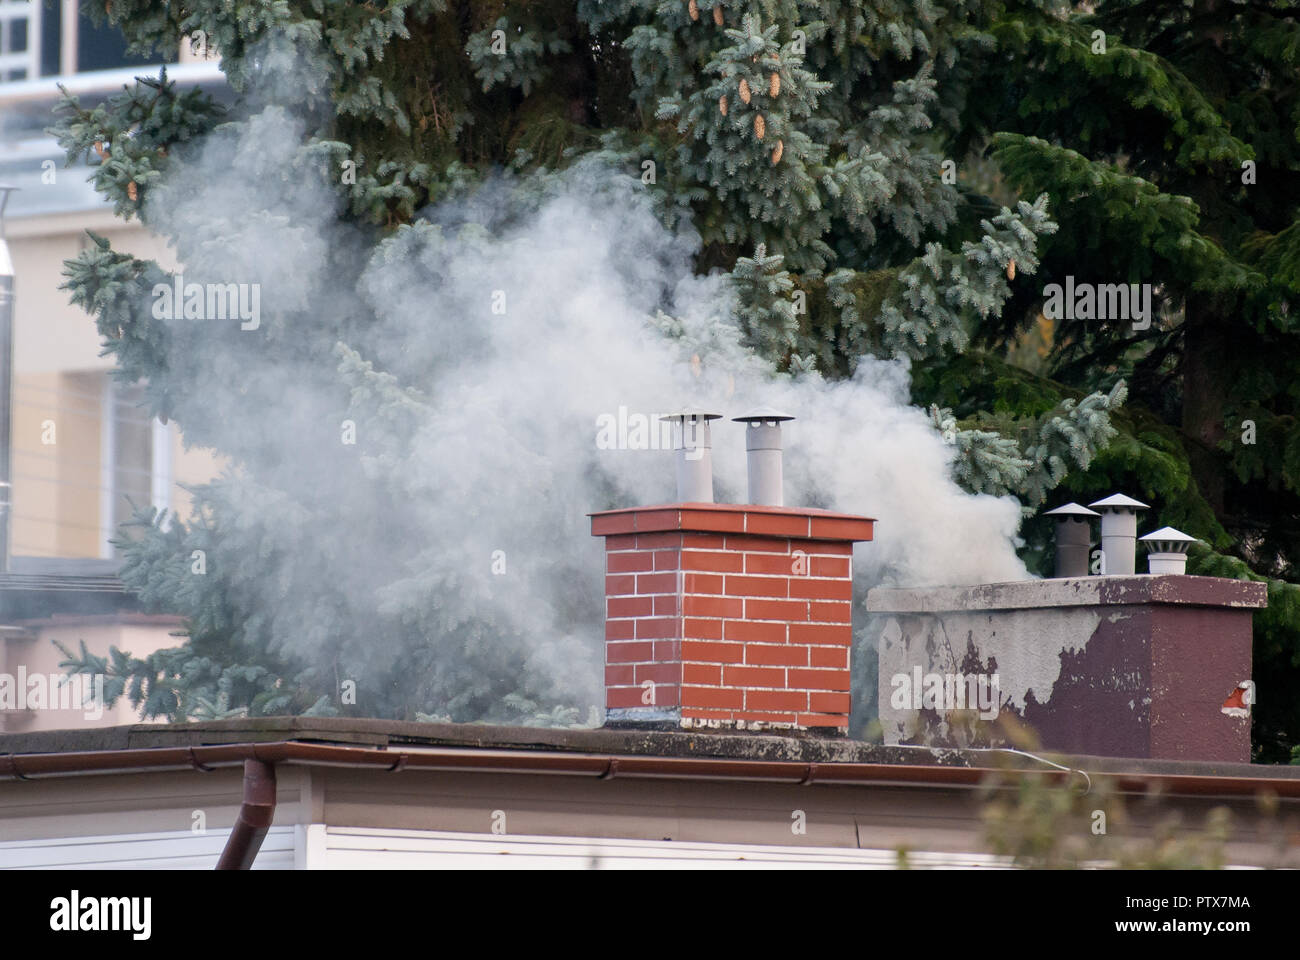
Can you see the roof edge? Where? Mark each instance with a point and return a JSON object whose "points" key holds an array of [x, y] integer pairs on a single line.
{"points": [[382, 744], [605, 767]]}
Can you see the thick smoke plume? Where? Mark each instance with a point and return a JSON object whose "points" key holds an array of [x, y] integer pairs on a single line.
{"points": [[446, 555]]}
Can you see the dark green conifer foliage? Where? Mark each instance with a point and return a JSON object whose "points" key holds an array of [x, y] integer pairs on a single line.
{"points": [[1170, 155], [841, 232]]}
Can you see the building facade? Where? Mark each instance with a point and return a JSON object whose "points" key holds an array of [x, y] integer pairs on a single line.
{"points": [[83, 453]]}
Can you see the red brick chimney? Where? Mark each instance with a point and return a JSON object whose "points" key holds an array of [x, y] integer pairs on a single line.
{"points": [[722, 615]]}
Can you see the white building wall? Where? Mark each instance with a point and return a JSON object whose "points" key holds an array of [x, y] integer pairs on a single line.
{"points": [[169, 850], [353, 848]]}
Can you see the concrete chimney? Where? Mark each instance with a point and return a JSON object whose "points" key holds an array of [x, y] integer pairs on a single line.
{"points": [[1073, 539], [763, 454], [693, 446], [1118, 533], [727, 616], [1167, 550], [1114, 666]]}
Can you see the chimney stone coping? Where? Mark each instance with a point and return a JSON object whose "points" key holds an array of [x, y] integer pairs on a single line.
{"points": [[806, 523], [1120, 589]]}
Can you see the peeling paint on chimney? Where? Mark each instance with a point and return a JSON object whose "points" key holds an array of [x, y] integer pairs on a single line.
{"points": [[1112, 666]]}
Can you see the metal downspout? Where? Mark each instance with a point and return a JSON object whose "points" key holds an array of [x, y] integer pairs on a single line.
{"points": [[255, 816]]}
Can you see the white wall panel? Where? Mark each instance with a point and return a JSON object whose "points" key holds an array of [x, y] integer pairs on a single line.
{"points": [[173, 850]]}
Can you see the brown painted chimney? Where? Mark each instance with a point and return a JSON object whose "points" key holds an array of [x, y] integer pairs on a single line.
{"points": [[728, 616], [1119, 666]]}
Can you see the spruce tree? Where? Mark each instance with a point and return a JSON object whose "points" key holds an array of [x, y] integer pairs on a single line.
{"points": [[805, 142], [1168, 139]]}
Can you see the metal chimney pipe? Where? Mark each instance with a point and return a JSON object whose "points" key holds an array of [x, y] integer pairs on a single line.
{"points": [[1119, 533], [693, 446], [763, 455], [1073, 539], [6, 383], [1167, 550]]}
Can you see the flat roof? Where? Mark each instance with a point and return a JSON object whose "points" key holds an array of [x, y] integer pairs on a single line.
{"points": [[389, 745]]}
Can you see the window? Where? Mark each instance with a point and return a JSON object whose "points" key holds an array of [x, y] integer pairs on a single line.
{"points": [[44, 38], [135, 464], [20, 24]]}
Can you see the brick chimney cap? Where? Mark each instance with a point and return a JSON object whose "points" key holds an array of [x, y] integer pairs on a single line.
{"points": [[787, 522]]}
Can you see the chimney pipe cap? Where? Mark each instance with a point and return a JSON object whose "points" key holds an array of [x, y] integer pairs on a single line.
{"points": [[1167, 540], [1071, 510], [691, 413], [762, 415], [1118, 502]]}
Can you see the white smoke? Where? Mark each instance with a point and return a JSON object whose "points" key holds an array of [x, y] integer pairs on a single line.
{"points": [[502, 461], [581, 278]]}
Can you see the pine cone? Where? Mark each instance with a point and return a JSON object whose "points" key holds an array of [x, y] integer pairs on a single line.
{"points": [[717, 15], [99, 149], [744, 90], [759, 126], [693, 9], [776, 154], [132, 191], [722, 104], [774, 88], [1011, 270]]}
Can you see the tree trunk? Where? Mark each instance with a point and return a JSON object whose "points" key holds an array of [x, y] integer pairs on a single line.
{"points": [[1205, 399]]}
